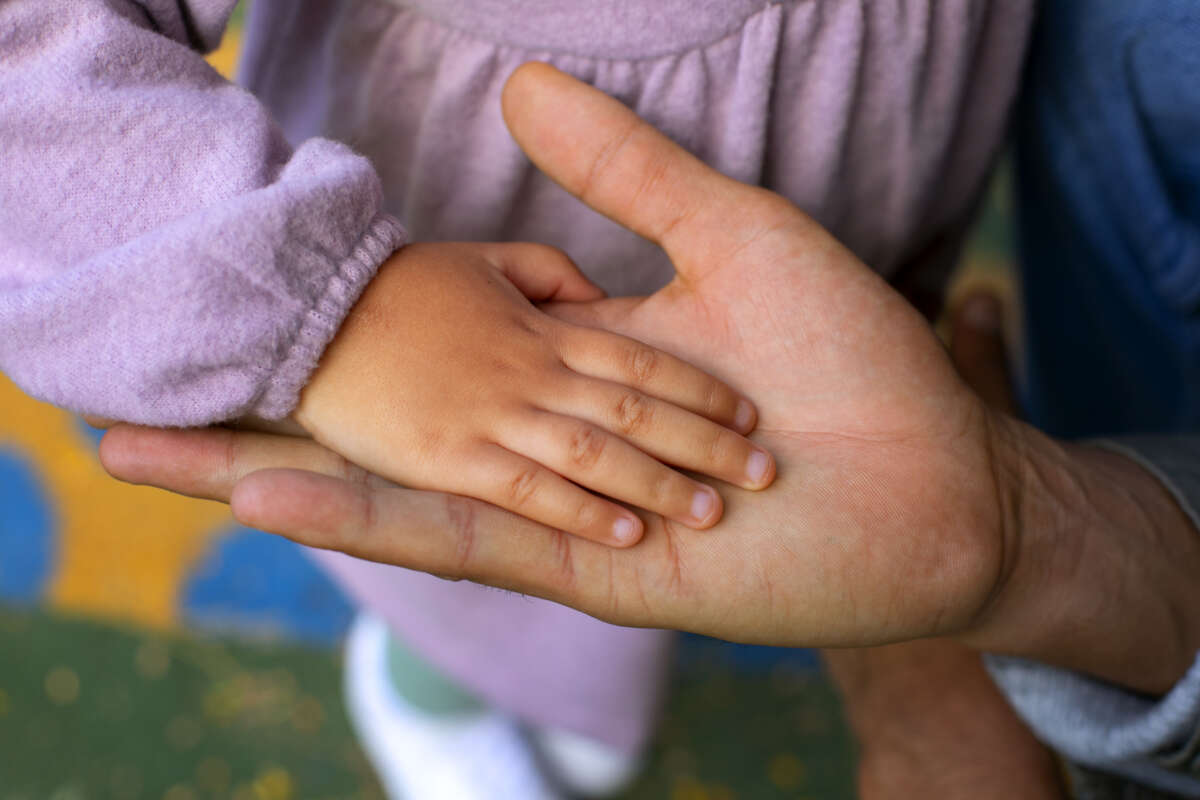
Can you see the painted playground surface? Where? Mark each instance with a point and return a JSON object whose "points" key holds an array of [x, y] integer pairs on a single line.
{"points": [[152, 648], [155, 649]]}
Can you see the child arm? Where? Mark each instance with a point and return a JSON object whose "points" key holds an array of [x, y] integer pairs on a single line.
{"points": [[165, 256]]}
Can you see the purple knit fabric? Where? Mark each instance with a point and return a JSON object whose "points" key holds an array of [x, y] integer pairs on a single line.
{"points": [[166, 257]]}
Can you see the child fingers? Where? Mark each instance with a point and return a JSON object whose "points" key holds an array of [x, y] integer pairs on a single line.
{"points": [[604, 463], [669, 433], [543, 273], [514, 482], [622, 360]]}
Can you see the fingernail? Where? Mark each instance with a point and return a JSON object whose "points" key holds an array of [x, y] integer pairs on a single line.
{"points": [[703, 503], [744, 415], [624, 529], [983, 314], [758, 466]]}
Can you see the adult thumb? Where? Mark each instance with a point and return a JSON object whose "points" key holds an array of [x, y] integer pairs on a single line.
{"points": [[604, 154]]}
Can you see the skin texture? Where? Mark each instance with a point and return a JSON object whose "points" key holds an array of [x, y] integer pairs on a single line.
{"points": [[928, 718], [876, 528], [904, 507], [931, 723], [445, 376]]}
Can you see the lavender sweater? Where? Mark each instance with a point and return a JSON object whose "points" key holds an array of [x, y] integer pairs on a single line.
{"points": [[169, 258], [165, 256], [173, 253]]}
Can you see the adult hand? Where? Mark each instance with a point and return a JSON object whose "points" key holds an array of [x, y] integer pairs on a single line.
{"points": [[885, 523], [928, 719], [904, 507]]}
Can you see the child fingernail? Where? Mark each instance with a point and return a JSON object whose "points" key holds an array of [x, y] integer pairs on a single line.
{"points": [[758, 467], [703, 504], [744, 415], [624, 529]]}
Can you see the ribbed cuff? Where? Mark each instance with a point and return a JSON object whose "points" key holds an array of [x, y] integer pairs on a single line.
{"points": [[319, 324], [1105, 726]]}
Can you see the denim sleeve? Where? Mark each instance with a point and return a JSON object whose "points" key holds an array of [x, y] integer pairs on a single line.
{"points": [[1155, 741], [166, 257]]}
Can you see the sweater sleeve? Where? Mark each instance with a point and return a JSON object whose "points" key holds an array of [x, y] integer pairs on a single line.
{"points": [[165, 256], [1154, 741]]}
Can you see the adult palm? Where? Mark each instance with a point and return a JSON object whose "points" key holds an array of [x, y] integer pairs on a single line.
{"points": [[885, 522]]}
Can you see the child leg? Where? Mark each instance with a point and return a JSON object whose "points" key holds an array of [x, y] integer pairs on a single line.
{"points": [[590, 691]]}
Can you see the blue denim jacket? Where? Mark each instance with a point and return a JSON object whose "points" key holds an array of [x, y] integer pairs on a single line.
{"points": [[1108, 190], [1108, 154]]}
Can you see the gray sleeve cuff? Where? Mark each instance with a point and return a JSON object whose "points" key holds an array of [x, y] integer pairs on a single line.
{"points": [[1152, 741], [1155, 741]]}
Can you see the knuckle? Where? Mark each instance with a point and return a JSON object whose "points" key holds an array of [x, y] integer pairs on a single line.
{"points": [[522, 488], [643, 363], [656, 170], [772, 208], [716, 400], [350, 472], [602, 162], [548, 251], [229, 453], [720, 446], [586, 515], [633, 412], [460, 511], [587, 443], [563, 575], [364, 520], [662, 486], [534, 325], [531, 325]]}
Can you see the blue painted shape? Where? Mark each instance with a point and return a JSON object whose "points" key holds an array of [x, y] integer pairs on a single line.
{"points": [[255, 583], [27, 527], [745, 658]]}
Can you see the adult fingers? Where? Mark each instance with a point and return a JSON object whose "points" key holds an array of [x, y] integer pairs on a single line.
{"points": [[206, 463], [446, 535], [603, 153]]}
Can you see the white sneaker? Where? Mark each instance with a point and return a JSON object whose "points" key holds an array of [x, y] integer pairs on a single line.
{"points": [[584, 766], [420, 756]]}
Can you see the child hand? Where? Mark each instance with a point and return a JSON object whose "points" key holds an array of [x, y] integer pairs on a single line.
{"points": [[444, 376]]}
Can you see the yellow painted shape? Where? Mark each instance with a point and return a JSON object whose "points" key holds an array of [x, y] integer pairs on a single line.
{"points": [[122, 551], [224, 58]]}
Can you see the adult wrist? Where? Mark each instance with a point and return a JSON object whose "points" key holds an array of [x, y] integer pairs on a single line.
{"points": [[1099, 568], [917, 707], [888, 690]]}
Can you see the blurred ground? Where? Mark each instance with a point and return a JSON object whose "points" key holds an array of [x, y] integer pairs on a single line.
{"points": [[155, 649]]}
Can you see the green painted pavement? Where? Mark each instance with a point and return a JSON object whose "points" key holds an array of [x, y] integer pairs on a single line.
{"points": [[93, 711]]}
